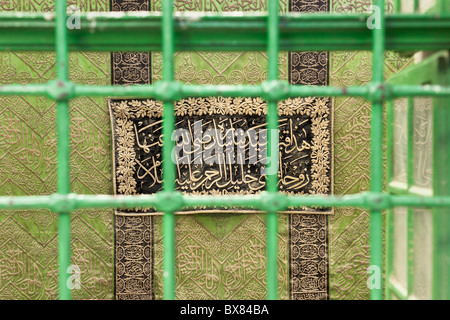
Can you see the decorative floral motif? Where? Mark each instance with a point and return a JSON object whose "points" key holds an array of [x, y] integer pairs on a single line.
{"points": [[308, 247], [349, 235]]}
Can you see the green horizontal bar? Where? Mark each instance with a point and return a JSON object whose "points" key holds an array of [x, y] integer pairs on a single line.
{"points": [[271, 90], [175, 201], [141, 31]]}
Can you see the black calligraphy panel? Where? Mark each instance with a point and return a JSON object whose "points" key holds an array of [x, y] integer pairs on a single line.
{"points": [[220, 149], [221, 146]]}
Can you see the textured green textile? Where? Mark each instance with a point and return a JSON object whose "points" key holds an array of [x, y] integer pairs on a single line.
{"points": [[349, 247], [28, 239]]}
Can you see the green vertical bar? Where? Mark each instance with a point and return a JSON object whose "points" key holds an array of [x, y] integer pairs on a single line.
{"points": [[416, 6], [63, 151], [168, 166], [409, 182], [376, 182], [272, 147]]}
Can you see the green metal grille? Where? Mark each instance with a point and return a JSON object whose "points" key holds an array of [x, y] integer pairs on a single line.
{"points": [[270, 32]]}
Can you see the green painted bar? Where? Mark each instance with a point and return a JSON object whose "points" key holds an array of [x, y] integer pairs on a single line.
{"points": [[268, 90], [389, 265], [168, 165], [63, 150], [196, 32], [272, 150], [376, 174]]}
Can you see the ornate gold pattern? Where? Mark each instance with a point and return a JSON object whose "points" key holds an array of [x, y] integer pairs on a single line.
{"points": [[349, 242], [220, 67], [317, 108], [308, 250], [310, 68], [131, 67], [351, 6], [224, 261]]}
